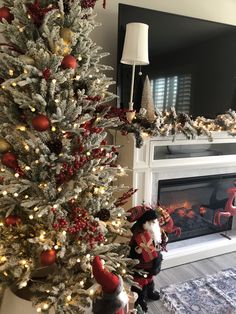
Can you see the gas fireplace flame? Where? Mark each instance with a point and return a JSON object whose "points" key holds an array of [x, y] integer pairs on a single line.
{"points": [[183, 209]]}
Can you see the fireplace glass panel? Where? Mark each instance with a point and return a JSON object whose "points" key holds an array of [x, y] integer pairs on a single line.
{"points": [[194, 204]]}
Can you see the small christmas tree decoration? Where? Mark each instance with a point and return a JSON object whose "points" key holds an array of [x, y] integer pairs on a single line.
{"points": [[147, 101], [5, 13], [41, 123], [69, 62], [12, 220], [48, 257], [9, 159], [4, 146], [66, 34]]}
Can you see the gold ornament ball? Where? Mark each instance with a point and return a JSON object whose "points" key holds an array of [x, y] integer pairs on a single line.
{"points": [[4, 145], [66, 35]]}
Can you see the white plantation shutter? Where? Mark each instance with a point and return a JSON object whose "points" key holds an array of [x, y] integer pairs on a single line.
{"points": [[184, 93], [172, 91]]}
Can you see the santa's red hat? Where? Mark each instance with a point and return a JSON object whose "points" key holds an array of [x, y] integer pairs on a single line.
{"points": [[106, 279], [142, 214]]}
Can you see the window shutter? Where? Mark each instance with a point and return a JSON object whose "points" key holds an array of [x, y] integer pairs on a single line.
{"points": [[172, 91]]}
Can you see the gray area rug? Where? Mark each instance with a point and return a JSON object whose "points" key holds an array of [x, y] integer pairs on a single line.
{"points": [[211, 294]]}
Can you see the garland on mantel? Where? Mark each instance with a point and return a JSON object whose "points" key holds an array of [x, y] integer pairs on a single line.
{"points": [[169, 123]]}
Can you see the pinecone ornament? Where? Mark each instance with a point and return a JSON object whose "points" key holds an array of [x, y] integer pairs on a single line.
{"points": [[103, 214]]}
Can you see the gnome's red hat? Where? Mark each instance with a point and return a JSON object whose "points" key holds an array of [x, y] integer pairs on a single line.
{"points": [[107, 280]]}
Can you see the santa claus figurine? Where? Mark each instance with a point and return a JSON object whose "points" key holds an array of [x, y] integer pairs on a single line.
{"points": [[146, 245], [113, 299]]}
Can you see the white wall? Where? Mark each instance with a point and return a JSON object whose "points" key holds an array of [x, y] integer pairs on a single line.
{"points": [[106, 36]]}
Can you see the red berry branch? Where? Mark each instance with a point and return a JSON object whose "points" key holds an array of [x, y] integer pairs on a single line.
{"points": [[80, 225]]}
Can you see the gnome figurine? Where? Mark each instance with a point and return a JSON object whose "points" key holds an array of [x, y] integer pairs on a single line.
{"points": [[145, 246], [114, 299]]}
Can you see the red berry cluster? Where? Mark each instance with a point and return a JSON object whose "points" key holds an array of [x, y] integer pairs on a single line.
{"points": [[99, 153], [89, 128], [85, 4], [69, 170], [95, 98], [47, 73], [80, 225], [37, 13]]}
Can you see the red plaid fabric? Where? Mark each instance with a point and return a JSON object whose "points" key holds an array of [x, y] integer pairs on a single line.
{"points": [[137, 212]]}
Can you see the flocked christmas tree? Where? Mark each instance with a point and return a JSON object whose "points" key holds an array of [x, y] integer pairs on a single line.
{"points": [[57, 205]]}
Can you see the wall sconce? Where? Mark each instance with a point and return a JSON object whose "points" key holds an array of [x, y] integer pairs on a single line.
{"points": [[135, 50]]}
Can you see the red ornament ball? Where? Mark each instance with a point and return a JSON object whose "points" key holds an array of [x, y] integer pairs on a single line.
{"points": [[41, 123], [69, 62], [48, 257], [10, 160], [12, 220], [5, 13]]}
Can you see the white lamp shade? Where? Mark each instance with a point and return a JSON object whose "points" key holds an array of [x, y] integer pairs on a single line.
{"points": [[135, 49]]}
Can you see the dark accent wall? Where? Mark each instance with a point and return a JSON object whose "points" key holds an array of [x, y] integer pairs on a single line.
{"points": [[179, 45]]}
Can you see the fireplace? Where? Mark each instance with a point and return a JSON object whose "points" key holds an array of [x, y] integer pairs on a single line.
{"points": [[191, 177], [195, 202]]}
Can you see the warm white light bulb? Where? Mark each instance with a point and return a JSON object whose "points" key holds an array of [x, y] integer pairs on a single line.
{"points": [[45, 306]]}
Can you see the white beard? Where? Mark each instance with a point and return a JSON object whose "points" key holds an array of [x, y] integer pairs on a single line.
{"points": [[123, 297], [154, 228]]}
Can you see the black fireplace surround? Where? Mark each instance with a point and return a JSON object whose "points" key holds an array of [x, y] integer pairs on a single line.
{"points": [[193, 203]]}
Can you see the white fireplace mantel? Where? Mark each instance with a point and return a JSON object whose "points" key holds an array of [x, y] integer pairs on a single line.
{"points": [[145, 173]]}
